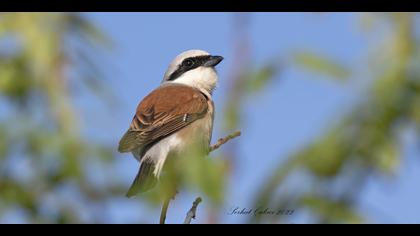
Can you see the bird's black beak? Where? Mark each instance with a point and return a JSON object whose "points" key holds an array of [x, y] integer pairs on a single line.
{"points": [[213, 61]]}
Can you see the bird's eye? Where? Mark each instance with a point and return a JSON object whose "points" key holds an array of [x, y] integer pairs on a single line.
{"points": [[188, 62]]}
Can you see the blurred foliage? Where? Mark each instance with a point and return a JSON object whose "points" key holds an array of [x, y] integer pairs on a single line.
{"points": [[46, 60], [250, 82], [245, 80], [42, 151], [366, 141], [331, 210], [192, 171], [321, 64]]}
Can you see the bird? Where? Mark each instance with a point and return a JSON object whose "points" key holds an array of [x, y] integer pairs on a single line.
{"points": [[173, 117]]}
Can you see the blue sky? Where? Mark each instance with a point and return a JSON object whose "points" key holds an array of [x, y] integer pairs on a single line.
{"points": [[304, 104]]}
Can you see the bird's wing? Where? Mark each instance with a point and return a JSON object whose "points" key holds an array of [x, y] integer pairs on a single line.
{"points": [[164, 111]]}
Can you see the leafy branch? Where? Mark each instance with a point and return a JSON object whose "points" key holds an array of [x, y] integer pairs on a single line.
{"points": [[192, 212]]}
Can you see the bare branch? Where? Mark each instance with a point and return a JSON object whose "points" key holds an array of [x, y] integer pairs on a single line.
{"points": [[192, 212], [224, 140]]}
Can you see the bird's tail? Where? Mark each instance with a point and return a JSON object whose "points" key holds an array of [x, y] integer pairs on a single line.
{"points": [[144, 180]]}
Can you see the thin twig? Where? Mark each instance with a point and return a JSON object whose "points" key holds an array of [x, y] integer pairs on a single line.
{"points": [[165, 207], [224, 140], [191, 213], [164, 211]]}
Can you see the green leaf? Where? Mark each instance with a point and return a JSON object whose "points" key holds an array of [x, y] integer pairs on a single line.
{"points": [[386, 157], [199, 172], [331, 211], [321, 64], [231, 116], [194, 171], [80, 24], [260, 78], [326, 157], [4, 143]]}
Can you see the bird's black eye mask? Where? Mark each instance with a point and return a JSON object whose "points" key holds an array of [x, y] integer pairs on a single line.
{"points": [[187, 64]]}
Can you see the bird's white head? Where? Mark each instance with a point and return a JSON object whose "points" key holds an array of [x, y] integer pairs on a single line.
{"points": [[194, 68]]}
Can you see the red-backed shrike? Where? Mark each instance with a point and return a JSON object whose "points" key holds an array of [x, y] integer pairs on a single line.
{"points": [[173, 117]]}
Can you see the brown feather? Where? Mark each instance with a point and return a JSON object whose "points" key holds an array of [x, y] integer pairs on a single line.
{"points": [[162, 113]]}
